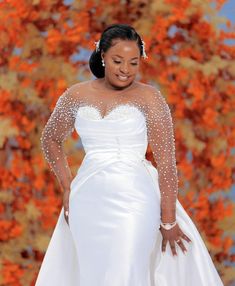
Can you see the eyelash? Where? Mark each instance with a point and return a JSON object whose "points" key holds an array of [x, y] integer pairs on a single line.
{"points": [[134, 64]]}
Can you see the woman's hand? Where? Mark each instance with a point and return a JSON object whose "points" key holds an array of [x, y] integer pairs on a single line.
{"points": [[66, 205], [174, 235]]}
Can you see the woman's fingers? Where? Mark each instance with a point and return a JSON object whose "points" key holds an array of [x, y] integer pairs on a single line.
{"points": [[67, 219], [164, 242], [181, 245], [185, 237], [174, 236], [172, 244], [66, 215], [66, 205]]}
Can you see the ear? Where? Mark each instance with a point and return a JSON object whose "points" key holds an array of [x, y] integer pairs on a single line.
{"points": [[102, 54]]}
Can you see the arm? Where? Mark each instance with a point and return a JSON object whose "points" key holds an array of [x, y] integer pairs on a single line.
{"points": [[161, 140], [59, 126]]}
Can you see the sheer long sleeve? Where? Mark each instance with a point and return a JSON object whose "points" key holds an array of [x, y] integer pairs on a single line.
{"points": [[59, 126], [162, 142]]}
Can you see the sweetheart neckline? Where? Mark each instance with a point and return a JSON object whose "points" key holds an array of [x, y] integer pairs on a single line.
{"points": [[103, 118]]}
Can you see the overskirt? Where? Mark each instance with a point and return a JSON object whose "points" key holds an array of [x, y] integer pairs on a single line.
{"points": [[113, 236]]}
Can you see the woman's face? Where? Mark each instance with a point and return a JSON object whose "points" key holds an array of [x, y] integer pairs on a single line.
{"points": [[121, 62]]}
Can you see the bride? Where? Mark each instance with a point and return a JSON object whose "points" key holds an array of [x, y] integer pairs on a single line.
{"points": [[121, 223]]}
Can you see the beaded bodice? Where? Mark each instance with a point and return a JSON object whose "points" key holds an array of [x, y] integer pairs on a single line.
{"points": [[128, 120], [93, 113]]}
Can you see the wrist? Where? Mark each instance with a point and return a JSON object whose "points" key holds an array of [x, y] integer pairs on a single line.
{"points": [[168, 215], [168, 218], [168, 226]]}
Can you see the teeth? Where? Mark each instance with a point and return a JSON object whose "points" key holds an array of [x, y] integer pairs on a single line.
{"points": [[122, 77]]}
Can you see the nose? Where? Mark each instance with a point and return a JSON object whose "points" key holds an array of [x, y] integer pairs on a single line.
{"points": [[124, 69]]}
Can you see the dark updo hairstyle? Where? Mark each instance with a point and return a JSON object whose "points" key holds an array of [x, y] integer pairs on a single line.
{"points": [[115, 31]]}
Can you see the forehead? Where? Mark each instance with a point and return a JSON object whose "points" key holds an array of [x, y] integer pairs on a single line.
{"points": [[124, 48]]}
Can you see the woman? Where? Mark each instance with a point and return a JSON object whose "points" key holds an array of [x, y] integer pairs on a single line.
{"points": [[121, 223]]}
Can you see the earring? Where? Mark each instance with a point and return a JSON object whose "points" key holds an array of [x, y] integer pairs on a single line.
{"points": [[103, 64]]}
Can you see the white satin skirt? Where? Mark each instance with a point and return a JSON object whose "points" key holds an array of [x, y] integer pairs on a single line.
{"points": [[113, 237]]}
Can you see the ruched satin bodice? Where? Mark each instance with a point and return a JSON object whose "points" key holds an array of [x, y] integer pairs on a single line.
{"points": [[121, 136], [122, 132]]}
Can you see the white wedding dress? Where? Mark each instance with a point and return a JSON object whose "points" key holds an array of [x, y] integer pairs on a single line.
{"points": [[113, 236]]}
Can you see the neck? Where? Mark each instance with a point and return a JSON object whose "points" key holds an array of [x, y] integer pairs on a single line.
{"points": [[110, 86]]}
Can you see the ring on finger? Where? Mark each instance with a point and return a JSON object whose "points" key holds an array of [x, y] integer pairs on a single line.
{"points": [[178, 240]]}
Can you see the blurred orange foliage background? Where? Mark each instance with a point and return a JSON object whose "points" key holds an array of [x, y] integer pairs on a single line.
{"points": [[45, 47]]}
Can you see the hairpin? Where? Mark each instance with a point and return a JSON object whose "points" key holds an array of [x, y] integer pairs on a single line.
{"points": [[97, 44], [144, 53]]}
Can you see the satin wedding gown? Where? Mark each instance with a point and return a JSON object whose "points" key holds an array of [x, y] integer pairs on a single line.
{"points": [[113, 236]]}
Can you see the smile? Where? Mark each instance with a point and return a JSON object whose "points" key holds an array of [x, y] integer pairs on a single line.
{"points": [[122, 78]]}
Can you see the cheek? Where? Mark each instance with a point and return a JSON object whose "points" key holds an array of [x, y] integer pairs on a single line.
{"points": [[135, 68], [112, 67]]}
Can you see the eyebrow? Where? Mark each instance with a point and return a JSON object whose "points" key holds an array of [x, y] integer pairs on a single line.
{"points": [[122, 57]]}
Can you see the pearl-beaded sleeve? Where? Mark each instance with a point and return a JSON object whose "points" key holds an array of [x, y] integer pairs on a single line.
{"points": [[58, 127], [161, 139]]}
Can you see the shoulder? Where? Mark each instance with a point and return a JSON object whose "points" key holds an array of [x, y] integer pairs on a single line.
{"points": [[155, 103], [76, 90], [71, 96], [148, 89], [151, 94]]}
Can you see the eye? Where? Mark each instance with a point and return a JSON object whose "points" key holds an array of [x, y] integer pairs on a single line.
{"points": [[118, 62]]}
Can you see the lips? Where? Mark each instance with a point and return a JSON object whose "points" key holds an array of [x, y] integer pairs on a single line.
{"points": [[122, 78]]}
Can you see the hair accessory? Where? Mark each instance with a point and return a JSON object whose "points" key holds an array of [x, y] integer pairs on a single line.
{"points": [[144, 53], [97, 44]]}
